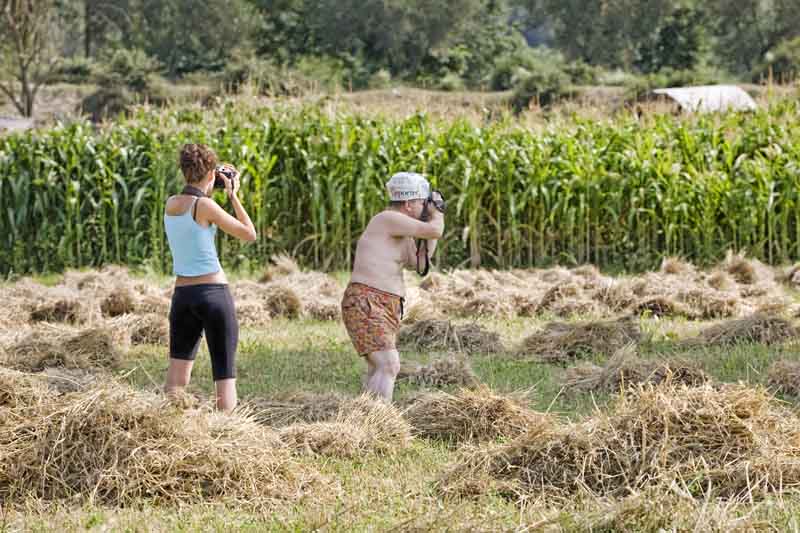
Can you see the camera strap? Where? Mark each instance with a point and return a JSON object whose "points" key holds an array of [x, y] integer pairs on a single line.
{"points": [[421, 243], [193, 191], [190, 190]]}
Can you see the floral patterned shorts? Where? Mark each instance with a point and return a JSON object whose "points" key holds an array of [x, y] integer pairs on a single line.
{"points": [[372, 318]]}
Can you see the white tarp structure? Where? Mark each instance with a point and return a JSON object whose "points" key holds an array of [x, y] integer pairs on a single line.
{"points": [[708, 98]]}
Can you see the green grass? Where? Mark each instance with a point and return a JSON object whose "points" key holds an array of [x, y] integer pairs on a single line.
{"points": [[308, 355], [397, 493]]}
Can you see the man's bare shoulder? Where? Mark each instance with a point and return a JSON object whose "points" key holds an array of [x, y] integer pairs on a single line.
{"points": [[384, 218]]}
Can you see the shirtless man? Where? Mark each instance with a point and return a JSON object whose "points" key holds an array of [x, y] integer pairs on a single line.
{"points": [[373, 302]]}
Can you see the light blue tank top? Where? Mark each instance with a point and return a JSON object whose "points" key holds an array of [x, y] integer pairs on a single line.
{"points": [[192, 245]]}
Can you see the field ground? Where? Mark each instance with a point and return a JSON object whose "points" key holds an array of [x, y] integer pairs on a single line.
{"points": [[396, 492], [62, 102]]}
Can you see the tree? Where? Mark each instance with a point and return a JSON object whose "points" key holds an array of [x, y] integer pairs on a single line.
{"points": [[398, 35], [604, 32], [747, 29], [103, 22], [188, 35], [27, 50], [677, 43]]}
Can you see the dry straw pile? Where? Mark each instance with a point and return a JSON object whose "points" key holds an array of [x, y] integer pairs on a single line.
{"points": [[453, 370], [731, 442], [784, 377], [59, 346], [762, 328], [736, 287], [443, 335], [286, 291], [363, 425], [560, 342], [625, 369], [476, 415], [112, 445], [293, 407]]}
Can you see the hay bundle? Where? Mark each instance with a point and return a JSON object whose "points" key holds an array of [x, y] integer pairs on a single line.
{"points": [[120, 301], [448, 371], [587, 272], [443, 335], [153, 303], [784, 377], [323, 310], [433, 282], [473, 415], [362, 426], [27, 289], [251, 312], [756, 291], [97, 280], [557, 275], [150, 329], [617, 296], [792, 276], [55, 347], [562, 341], [758, 328], [557, 293], [733, 442], [421, 308], [19, 390], [15, 311], [740, 269], [290, 408], [65, 380], [70, 310], [746, 271], [708, 305], [580, 307], [282, 301], [721, 281], [676, 266], [486, 304], [281, 265], [662, 306], [115, 446], [524, 303], [624, 369]]}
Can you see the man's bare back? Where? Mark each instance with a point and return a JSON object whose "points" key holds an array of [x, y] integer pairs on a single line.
{"points": [[387, 247]]}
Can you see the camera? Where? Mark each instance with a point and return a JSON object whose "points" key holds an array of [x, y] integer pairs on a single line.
{"points": [[430, 200], [438, 204], [225, 171]]}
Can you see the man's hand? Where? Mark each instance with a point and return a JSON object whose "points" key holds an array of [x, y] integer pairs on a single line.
{"points": [[438, 201]]}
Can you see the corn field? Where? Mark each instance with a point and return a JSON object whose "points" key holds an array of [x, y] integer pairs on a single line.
{"points": [[621, 193]]}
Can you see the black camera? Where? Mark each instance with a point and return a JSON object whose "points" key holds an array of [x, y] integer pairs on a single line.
{"points": [[224, 171], [430, 200]]}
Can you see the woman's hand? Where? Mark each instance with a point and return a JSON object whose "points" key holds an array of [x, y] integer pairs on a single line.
{"points": [[231, 185]]}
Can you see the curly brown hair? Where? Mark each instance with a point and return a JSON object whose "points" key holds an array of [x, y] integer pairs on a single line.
{"points": [[196, 161]]}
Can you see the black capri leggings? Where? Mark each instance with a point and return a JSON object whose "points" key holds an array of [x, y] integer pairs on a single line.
{"points": [[207, 307]]}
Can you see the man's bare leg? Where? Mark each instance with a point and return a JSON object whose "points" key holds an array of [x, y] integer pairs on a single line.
{"points": [[387, 365], [371, 368]]}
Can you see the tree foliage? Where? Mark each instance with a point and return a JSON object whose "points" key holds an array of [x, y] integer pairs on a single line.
{"points": [[27, 52]]}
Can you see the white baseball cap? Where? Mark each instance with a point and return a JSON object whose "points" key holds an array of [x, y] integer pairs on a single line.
{"points": [[408, 186]]}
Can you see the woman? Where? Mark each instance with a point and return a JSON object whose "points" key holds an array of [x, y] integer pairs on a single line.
{"points": [[202, 301]]}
